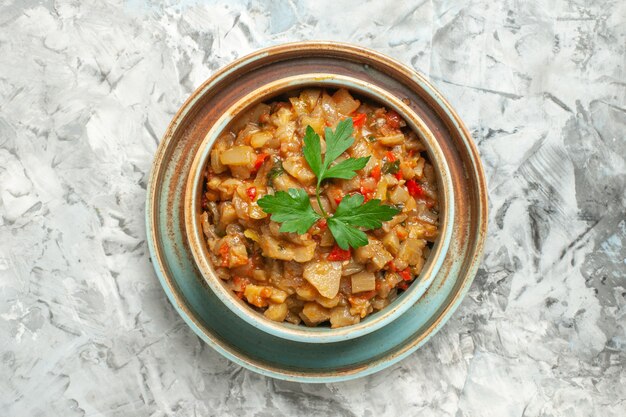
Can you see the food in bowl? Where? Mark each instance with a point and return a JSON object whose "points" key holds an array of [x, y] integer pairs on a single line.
{"points": [[319, 208]]}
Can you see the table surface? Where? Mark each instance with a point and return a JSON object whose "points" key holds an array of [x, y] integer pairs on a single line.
{"points": [[86, 92]]}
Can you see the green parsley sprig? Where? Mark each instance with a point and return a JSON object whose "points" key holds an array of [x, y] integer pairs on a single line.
{"points": [[293, 208]]}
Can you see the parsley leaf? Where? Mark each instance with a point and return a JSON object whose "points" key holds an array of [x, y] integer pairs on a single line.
{"points": [[292, 209], [346, 169], [345, 235], [370, 215], [312, 151], [337, 142], [352, 213]]}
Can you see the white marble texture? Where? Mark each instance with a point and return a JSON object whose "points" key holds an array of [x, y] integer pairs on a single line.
{"points": [[86, 91]]}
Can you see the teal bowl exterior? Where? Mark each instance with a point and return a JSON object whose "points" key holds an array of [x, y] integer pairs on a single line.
{"points": [[242, 341]]}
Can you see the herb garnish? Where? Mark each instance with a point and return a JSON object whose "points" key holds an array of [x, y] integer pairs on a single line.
{"points": [[275, 172], [391, 167], [293, 208]]}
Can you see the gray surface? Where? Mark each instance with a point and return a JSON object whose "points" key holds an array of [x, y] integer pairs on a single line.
{"points": [[86, 92]]}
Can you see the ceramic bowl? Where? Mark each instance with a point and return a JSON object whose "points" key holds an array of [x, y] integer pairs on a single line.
{"points": [[239, 339], [193, 210]]}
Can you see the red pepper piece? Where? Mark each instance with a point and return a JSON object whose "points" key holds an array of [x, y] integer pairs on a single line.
{"points": [[338, 254], [406, 274], [390, 156], [398, 175], [359, 120], [259, 160], [366, 193], [251, 193], [375, 173], [414, 188]]}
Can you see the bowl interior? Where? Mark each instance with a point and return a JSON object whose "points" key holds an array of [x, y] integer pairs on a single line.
{"points": [[194, 188]]}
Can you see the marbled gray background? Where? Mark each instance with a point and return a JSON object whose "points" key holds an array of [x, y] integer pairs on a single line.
{"points": [[86, 91]]}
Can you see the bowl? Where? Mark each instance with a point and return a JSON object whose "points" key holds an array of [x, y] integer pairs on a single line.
{"points": [[196, 301], [193, 210]]}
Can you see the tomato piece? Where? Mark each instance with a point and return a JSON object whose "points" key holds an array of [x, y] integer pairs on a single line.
{"points": [[223, 252], [398, 175], [406, 274], [414, 188], [390, 156], [393, 119], [392, 266], [359, 120], [375, 173], [322, 224], [403, 285], [366, 193], [251, 193], [259, 160], [338, 254]]}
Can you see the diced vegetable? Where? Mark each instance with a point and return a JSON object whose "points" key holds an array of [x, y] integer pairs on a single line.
{"points": [[363, 281], [398, 195], [328, 302], [238, 155], [392, 140], [257, 295], [227, 214], [392, 242], [313, 314], [259, 139], [351, 267], [324, 276], [373, 252], [276, 249], [344, 101], [276, 312], [297, 167], [410, 251], [340, 317]]}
